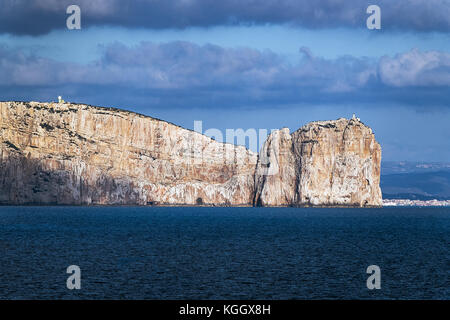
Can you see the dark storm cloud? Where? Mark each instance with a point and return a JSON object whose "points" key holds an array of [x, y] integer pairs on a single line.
{"points": [[41, 16], [187, 75]]}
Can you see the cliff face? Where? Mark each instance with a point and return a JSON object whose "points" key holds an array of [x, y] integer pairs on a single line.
{"points": [[324, 163], [77, 154], [276, 172]]}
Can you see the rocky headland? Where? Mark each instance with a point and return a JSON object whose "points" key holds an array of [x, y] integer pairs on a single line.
{"points": [[75, 154]]}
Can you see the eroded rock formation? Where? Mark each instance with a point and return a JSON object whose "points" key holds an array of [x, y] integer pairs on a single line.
{"points": [[61, 153], [78, 154], [324, 163]]}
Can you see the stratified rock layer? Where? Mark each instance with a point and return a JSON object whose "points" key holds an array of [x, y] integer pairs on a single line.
{"points": [[324, 163], [61, 153]]}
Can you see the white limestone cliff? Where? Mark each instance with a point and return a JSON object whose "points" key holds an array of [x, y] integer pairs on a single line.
{"points": [[62, 153], [324, 163]]}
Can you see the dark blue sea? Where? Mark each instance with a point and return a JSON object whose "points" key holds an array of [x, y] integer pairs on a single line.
{"points": [[224, 253]]}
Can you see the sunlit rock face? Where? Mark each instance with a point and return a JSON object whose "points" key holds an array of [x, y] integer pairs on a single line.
{"points": [[275, 177], [62, 153], [324, 163], [77, 154]]}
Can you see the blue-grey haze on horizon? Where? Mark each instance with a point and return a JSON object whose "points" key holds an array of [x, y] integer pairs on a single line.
{"points": [[235, 64]]}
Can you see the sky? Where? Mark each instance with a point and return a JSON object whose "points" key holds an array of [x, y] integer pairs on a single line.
{"points": [[261, 64]]}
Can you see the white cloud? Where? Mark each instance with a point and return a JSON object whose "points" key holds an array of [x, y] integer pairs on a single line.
{"points": [[416, 68]]}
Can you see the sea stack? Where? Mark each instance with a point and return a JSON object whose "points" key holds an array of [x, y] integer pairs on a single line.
{"points": [[75, 154]]}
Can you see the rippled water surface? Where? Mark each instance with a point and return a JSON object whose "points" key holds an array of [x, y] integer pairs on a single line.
{"points": [[224, 253]]}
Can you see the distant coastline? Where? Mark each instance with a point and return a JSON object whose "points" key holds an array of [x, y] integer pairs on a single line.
{"points": [[415, 203]]}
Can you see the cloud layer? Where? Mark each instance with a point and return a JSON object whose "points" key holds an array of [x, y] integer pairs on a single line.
{"points": [[183, 74], [41, 16]]}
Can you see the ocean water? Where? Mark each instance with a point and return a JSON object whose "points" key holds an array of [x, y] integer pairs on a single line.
{"points": [[224, 253]]}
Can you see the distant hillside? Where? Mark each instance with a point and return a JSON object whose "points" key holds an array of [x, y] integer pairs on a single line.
{"points": [[392, 167], [416, 184]]}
